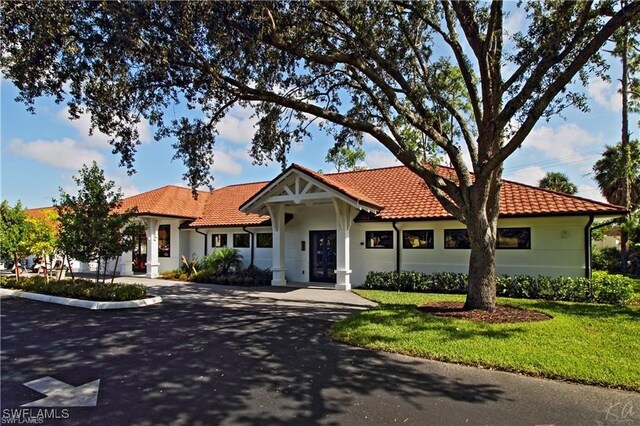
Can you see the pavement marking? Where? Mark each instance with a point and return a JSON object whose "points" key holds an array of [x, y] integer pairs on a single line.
{"points": [[60, 394]]}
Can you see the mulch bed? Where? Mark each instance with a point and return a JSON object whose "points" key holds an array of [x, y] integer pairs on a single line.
{"points": [[502, 314]]}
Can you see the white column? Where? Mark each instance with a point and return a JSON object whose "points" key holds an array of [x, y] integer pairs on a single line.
{"points": [[153, 263], [276, 211], [126, 264], [344, 214]]}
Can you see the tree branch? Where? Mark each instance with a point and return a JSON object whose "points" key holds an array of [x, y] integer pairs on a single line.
{"points": [[630, 12]]}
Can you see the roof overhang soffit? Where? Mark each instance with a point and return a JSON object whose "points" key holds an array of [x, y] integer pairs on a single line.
{"points": [[295, 187]]}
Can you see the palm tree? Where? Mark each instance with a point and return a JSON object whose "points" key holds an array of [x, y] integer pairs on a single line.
{"points": [[557, 181], [610, 174]]}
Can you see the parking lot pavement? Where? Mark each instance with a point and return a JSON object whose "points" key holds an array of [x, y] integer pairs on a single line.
{"points": [[224, 358]]}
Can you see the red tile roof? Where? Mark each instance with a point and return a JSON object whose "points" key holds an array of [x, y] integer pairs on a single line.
{"points": [[396, 192], [406, 196], [170, 200], [222, 208], [41, 212]]}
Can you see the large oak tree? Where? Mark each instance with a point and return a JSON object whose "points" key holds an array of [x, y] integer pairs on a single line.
{"points": [[378, 68]]}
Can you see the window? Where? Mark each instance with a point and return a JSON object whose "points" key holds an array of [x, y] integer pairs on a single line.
{"points": [[264, 240], [379, 239], [218, 240], [164, 241], [420, 239], [241, 240], [514, 238], [456, 239]]}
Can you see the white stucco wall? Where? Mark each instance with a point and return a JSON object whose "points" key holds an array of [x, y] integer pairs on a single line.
{"points": [[557, 248], [262, 256], [173, 261]]}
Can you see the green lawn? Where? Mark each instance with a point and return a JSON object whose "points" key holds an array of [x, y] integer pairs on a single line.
{"points": [[636, 289], [587, 343]]}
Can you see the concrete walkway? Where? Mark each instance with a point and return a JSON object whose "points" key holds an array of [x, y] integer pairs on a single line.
{"points": [[229, 356]]}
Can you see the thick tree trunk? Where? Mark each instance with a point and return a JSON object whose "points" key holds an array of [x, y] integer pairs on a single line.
{"points": [[482, 208], [626, 151], [481, 293], [624, 253]]}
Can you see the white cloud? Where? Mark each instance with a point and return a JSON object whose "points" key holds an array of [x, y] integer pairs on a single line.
{"points": [[529, 175], [368, 139], [513, 22], [225, 163], [591, 192], [124, 182], [237, 126], [565, 143], [606, 94], [66, 153], [377, 159], [98, 139]]}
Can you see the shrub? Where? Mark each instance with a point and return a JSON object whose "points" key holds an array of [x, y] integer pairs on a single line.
{"points": [[80, 289], [252, 276], [602, 288], [607, 259], [176, 274], [222, 261], [614, 289]]}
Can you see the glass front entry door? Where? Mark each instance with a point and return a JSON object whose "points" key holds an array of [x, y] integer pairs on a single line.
{"points": [[140, 252], [322, 252]]}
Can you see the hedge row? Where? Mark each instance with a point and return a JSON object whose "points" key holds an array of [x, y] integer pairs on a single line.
{"points": [[601, 288], [80, 289], [249, 277]]}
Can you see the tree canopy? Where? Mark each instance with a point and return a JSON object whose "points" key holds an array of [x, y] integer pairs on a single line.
{"points": [[444, 69], [558, 181], [91, 228], [12, 233], [609, 173], [345, 158]]}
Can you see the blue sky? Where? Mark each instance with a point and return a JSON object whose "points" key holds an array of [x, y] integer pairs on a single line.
{"points": [[40, 153]]}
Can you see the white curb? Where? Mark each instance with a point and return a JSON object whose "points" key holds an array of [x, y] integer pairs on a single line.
{"points": [[78, 303]]}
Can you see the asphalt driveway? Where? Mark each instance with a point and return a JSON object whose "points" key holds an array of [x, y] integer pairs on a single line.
{"points": [[211, 355]]}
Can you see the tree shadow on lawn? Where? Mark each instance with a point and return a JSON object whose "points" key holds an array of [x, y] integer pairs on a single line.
{"points": [[186, 363], [595, 311], [411, 320]]}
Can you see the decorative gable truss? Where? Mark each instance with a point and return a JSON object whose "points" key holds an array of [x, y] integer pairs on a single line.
{"points": [[300, 186]]}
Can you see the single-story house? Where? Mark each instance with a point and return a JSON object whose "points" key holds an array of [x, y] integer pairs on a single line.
{"points": [[335, 228]]}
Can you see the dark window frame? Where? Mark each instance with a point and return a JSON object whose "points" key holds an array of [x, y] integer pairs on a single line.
{"points": [[369, 236], [222, 243], [527, 240], [260, 243], [235, 240], [428, 237], [464, 244], [164, 244]]}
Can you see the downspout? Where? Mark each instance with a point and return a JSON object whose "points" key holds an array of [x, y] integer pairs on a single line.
{"points": [[587, 248], [398, 241], [206, 246], [244, 228]]}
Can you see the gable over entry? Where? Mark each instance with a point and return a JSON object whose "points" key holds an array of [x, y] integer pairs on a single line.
{"points": [[298, 186]]}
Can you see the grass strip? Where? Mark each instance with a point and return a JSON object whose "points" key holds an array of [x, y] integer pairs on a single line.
{"points": [[585, 343]]}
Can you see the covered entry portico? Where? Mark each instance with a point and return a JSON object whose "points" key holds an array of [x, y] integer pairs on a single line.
{"points": [[310, 198]]}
